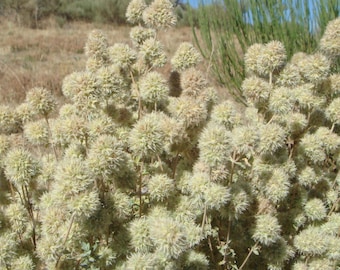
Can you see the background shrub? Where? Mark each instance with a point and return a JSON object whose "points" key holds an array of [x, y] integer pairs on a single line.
{"points": [[228, 28]]}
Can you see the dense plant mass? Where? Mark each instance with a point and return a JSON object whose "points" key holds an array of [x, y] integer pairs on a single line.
{"points": [[138, 172]]}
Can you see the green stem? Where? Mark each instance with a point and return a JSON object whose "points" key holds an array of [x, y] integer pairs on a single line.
{"points": [[248, 256]]}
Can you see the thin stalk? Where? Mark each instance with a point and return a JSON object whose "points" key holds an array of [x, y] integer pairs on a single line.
{"points": [[66, 237], [140, 182], [50, 134], [248, 256]]}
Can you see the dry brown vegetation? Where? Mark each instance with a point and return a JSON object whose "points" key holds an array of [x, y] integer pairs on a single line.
{"points": [[42, 57]]}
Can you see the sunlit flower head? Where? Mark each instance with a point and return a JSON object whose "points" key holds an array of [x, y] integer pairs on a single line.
{"points": [[160, 14], [330, 41], [135, 10], [185, 57]]}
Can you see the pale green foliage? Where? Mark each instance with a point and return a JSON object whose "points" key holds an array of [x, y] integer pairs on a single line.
{"points": [[130, 175], [315, 210], [159, 14], [135, 10], [193, 83], [330, 41], [37, 132], [160, 187], [311, 241], [20, 167], [185, 57], [215, 145], [153, 89], [267, 229], [41, 101]]}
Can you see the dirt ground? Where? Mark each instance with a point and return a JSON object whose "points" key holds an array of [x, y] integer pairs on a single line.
{"points": [[43, 57]]}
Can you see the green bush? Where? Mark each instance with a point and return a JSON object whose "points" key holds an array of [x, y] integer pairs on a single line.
{"points": [[133, 174]]}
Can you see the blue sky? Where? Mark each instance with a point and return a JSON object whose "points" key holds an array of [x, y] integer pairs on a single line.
{"points": [[194, 3]]}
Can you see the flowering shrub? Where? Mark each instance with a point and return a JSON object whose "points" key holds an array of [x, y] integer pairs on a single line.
{"points": [[131, 174]]}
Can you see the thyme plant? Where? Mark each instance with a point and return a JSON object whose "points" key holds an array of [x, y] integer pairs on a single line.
{"points": [[134, 174]]}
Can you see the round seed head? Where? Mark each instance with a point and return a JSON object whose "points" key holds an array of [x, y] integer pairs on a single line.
{"points": [[100, 125], [245, 139], [187, 110], [111, 83], [160, 187], [332, 226], [251, 57], [313, 149], [139, 34], [185, 57], [93, 64], [168, 236], [41, 101], [272, 137], [308, 177], [294, 122], [79, 82], [122, 55], [315, 68], [290, 76], [59, 136], [310, 241], [146, 139], [24, 112], [335, 84], [72, 177], [75, 150], [152, 53], [20, 167], [84, 204], [17, 216], [216, 196], [67, 110], [106, 156], [154, 89], [9, 120], [315, 209], [240, 200], [298, 58], [225, 114], [23, 262], [195, 260], [122, 204], [267, 229], [277, 187], [193, 82], [271, 58], [330, 41], [135, 10], [215, 145], [74, 129], [160, 14], [96, 45], [139, 261], [330, 141], [333, 111], [218, 173], [140, 236], [37, 132], [9, 240], [306, 99], [256, 91], [281, 100], [5, 144], [324, 264]]}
